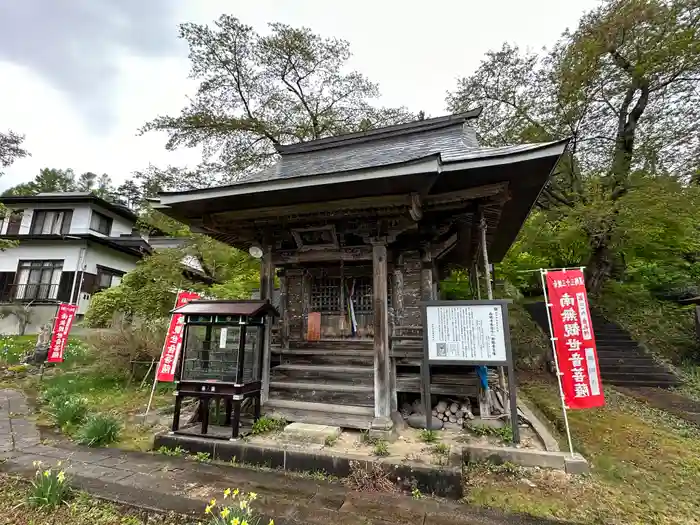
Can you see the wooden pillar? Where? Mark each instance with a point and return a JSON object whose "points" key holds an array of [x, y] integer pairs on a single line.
{"points": [[426, 274], [267, 283], [382, 381], [489, 292], [284, 308], [397, 299]]}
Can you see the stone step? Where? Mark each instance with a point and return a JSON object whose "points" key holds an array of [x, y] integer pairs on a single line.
{"points": [[358, 417], [334, 393], [626, 382], [305, 372]]}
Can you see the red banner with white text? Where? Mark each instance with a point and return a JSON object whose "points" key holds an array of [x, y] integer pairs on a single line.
{"points": [[61, 328], [173, 340], [574, 338]]}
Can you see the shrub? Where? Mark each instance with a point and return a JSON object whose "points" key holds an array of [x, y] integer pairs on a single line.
{"points": [[118, 347], [267, 424], [381, 448], [54, 396], [428, 436], [237, 507], [103, 306], [49, 488], [69, 411], [99, 430]]}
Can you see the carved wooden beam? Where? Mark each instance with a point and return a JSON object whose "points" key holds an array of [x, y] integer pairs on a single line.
{"points": [[416, 211], [361, 253]]}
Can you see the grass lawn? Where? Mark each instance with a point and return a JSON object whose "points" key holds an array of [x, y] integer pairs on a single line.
{"points": [[645, 467], [83, 375], [80, 510]]}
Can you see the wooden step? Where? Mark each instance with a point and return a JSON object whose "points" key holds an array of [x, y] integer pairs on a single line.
{"points": [[321, 413], [305, 372], [334, 393], [327, 357]]}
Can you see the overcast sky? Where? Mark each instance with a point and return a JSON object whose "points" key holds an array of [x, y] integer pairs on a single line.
{"points": [[79, 77]]}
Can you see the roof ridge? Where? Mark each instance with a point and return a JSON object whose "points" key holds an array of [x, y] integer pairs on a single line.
{"points": [[379, 133]]}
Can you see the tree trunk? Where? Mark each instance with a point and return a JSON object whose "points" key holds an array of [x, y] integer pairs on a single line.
{"points": [[600, 266]]}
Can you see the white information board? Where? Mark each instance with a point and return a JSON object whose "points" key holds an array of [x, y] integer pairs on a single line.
{"points": [[466, 333]]}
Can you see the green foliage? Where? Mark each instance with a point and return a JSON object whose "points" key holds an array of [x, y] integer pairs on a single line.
{"points": [[504, 433], [456, 286], [99, 430], [440, 449], [68, 411], [330, 441], [240, 72], [381, 448], [202, 457], [104, 305], [173, 452], [428, 436], [49, 488], [266, 424]]}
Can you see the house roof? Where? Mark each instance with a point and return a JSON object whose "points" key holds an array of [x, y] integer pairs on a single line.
{"points": [[428, 157], [70, 197], [250, 308], [135, 246]]}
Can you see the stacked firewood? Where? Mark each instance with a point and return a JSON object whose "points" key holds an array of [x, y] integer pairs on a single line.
{"points": [[453, 411]]}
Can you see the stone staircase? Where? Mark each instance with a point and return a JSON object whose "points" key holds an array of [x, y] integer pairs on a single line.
{"points": [[622, 361], [324, 382]]}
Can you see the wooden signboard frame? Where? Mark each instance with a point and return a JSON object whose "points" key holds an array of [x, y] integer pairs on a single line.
{"points": [[506, 362]]}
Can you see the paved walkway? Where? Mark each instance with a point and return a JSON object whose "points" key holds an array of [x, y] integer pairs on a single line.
{"points": [[167, 483]]}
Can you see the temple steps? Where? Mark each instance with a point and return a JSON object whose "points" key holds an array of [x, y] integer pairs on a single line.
{"points": [[321, 413], [323, 391], [356, 375], [320, 378]]}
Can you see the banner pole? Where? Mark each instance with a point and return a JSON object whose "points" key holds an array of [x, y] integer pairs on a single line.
{"points": [[556, 360], [155, 377]]}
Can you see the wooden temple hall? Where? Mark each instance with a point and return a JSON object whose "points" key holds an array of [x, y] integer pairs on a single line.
{"points": [[356, 230]]}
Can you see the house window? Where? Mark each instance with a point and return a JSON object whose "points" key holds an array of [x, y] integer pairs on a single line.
{"points": [[38, 280], [100, 223], [51, 222], [14, 222], [107, 277]]}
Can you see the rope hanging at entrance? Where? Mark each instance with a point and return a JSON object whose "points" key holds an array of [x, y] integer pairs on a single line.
{"points": [[350, 303]]}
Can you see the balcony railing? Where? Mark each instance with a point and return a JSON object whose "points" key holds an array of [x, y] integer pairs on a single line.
{"points": [[30, 292]]}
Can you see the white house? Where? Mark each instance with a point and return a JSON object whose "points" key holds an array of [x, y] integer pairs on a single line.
{"points": [[71, 245]]}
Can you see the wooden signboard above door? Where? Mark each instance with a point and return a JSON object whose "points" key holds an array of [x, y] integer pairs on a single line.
{"points": [[313, 331]]}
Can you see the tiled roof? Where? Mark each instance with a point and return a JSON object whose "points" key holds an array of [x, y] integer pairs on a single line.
{"points": [[451, 143]]}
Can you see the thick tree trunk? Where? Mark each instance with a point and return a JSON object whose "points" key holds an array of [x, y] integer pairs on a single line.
{"points": [[599, 268]]}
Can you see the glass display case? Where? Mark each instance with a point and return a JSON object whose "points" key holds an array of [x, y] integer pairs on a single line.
{"points": [[222, 357]]}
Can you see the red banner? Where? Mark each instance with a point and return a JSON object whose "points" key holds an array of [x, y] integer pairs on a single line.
{"points": [[173, 340], [574, 338], [61, 328]]}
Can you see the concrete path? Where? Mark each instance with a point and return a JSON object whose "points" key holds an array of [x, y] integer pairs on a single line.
{"points": [[177, 484]]}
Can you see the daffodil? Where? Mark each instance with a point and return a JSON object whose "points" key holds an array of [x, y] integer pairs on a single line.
{"points": [[224, 513], [244, 522], [61, 476], [252, 496], [272, 522], [212, 502], [47, 473], [243, 504], [236, 492], [227, 493], [207, 510], [235, 521]]}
